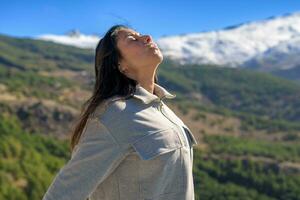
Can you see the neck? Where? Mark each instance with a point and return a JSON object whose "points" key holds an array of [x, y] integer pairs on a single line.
{"points": [[146, 79], [147, 83], [149, 86]]}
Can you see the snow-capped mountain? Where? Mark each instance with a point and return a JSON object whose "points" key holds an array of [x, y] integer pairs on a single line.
{"points": [[285, 55], [271, 43], [233, 46], [73, 38]]}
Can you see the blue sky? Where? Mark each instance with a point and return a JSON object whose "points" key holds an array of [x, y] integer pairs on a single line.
{"points": [[156, 17]]}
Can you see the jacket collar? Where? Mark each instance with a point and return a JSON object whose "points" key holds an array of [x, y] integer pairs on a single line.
{"points": [[147, 97]]}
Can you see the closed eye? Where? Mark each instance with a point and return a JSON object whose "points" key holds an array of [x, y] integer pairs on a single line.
{"points": [[133, 37]]}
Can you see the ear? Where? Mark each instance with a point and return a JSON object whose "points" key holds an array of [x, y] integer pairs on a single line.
{"points": [[121, 69]]}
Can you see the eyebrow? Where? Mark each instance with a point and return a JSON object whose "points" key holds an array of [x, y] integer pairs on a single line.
{"points": [[131, 34], [128, 34]]}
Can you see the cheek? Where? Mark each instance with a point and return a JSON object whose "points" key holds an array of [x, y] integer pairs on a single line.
{"points": [[136, 54], [138, 50]]}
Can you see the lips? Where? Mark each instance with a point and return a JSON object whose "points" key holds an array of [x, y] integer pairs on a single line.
{"points": [[152, 45]]}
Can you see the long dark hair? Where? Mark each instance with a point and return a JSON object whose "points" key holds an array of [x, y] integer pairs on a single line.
{"points": [[109, 80]]}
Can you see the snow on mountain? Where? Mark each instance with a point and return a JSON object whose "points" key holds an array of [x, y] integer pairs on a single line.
{"points": [[73, 38], [234, 45], [285, 55], [251, 44]]}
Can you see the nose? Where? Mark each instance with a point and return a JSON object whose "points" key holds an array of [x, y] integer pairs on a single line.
{"points": [[147, 39]]}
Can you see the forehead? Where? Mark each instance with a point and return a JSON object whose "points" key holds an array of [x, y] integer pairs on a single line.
{"points": [[123, 33]]}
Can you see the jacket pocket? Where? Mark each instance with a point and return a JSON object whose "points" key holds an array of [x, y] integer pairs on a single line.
{"points": [[154, 144]]}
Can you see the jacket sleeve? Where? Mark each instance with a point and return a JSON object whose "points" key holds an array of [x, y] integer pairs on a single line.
{"points": [[95, 157]]}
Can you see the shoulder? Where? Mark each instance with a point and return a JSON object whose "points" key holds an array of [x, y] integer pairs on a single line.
{"points": [[110, 107]]}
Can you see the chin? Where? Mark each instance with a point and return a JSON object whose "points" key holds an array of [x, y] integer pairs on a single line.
{"points": [[159, 59], [159, 56]]}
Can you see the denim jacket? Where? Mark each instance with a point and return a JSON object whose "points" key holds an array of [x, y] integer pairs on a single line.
{"points": [[131, 149]]}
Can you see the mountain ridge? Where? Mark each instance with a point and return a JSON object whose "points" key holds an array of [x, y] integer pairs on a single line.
{"points": [[232, 46]]}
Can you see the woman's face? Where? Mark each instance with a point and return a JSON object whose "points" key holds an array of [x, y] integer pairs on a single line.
{"points": [[140, 54]]}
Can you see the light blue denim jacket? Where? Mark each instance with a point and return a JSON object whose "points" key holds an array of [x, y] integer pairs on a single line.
{"points": [[131, 149]]}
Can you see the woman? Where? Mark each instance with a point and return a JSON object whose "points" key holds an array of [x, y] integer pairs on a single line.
{"points": [[127, 145]]}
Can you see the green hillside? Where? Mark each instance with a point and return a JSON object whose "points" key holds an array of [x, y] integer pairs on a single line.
{"points": [[28, 162], [239, 89], [292, 74], [247, 122], [25, 54]]}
